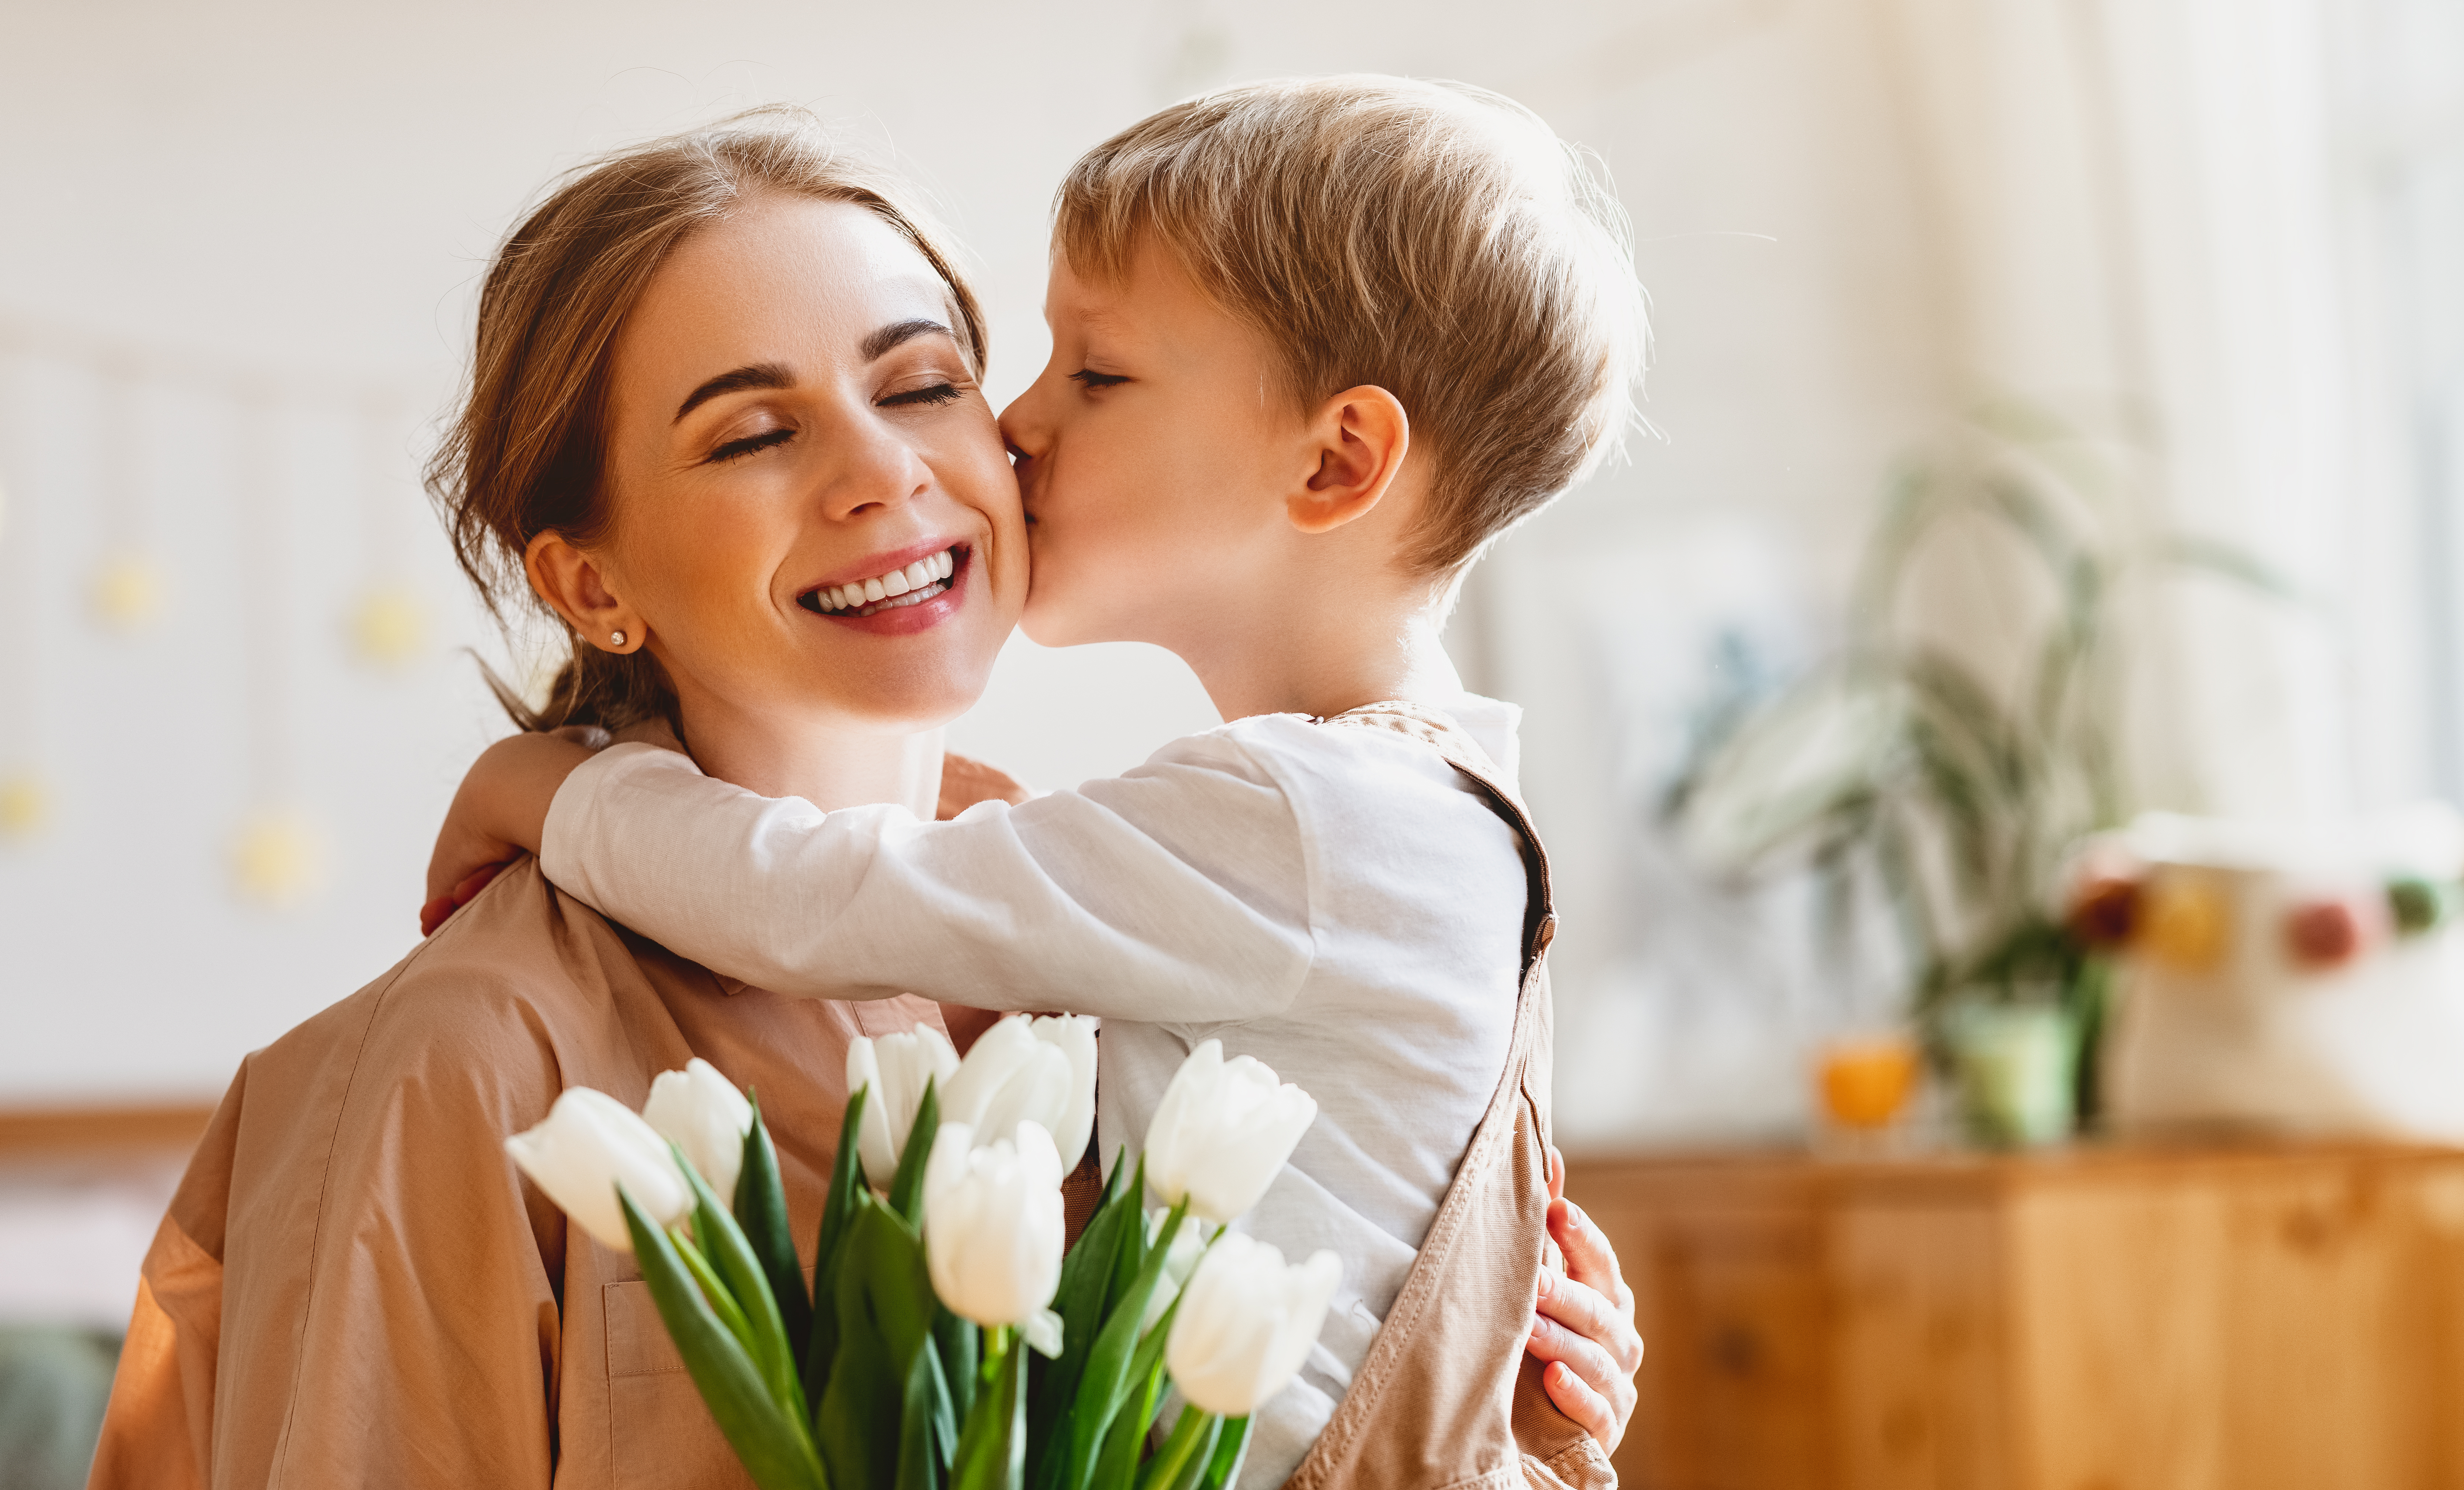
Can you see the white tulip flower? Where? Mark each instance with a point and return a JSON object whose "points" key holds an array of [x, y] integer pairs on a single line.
{"points": [[1040, 1071], [592, 1143], [897, 1068], [1246, 1322], [702, 1113], [993, 1228], [1222, 1132]]}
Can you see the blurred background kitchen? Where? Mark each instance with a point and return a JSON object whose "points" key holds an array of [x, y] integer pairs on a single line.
{"points": [[2057, 418]]}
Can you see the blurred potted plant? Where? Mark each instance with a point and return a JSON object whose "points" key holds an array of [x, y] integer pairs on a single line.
{"points": [[1900, 762]]}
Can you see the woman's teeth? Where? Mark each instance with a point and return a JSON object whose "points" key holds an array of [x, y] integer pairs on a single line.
{"points": [[918, 581]]}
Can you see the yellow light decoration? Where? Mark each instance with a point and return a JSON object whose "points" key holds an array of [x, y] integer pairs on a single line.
{"points": [[2186, 923], [276, 858], [25, 806], [387, 625], [126, 591]]}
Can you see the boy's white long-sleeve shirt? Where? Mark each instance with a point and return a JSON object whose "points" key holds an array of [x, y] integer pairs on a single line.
{"points": [[1337, 903]]}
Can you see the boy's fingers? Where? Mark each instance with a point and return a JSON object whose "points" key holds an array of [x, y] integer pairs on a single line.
{"points": [[1590, 1411], [1556, 1174], [432, 915], [476, 882]]}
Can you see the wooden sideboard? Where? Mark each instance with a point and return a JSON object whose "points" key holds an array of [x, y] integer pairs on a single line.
{"points": [[2200, 1317]]}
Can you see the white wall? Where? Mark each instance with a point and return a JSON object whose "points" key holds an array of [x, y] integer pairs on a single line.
{"points": [[308, 193]]}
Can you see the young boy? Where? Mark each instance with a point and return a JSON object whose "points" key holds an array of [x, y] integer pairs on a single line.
{"points": [[1315, 344]]}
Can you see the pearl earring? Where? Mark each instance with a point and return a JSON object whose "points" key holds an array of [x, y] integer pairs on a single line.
{"points": [[616, 637]]}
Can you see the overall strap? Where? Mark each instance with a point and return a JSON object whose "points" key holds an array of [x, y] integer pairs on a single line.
{"points": [[1446, 1398], [1465, 754]]}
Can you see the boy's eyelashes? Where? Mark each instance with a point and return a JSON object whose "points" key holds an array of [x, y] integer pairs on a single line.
{"points": [[1089, 378]]}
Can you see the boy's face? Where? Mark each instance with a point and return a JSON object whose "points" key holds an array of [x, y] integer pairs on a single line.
{"points": [[1154, 453]]}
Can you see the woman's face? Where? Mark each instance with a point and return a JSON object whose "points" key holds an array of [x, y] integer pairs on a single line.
{"points": [[790, 427]]}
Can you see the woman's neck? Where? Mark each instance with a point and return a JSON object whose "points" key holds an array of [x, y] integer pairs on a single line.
{"points": [[831, 766]]}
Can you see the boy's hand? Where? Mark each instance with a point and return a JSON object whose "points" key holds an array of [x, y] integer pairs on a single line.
{"points": [[965, 782], [500, 813], [1583, 1324]]}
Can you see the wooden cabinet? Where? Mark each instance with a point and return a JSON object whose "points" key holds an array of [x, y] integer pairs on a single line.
{"points": [[2098, 1319]]}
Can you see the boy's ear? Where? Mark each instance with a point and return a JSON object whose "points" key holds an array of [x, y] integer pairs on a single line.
{"points": [[1359, 438], [572, 583]]}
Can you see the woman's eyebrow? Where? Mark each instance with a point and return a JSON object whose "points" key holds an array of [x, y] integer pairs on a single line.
{"points": [[899, 333], [754, 375]]}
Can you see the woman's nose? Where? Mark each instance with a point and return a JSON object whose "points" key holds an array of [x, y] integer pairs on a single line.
{"points": [[877, 469]]}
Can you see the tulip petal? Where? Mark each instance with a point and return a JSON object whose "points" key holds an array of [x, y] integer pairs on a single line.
{"points": [[588, 1144], [701, 1113]]}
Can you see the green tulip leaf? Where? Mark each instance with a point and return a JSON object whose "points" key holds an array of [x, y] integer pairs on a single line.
{"points": [[847, 1181], [1231, 1447], [1107, 1380], [992, 1449], [884, 1306], [761, 1209], [961, 1345], [1086, 1280], [1185, 1454], [907, 1187], [771, 1443], [739, 1271]]}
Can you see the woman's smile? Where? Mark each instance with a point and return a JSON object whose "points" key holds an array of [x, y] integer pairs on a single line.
{"points": [[899, 593]]}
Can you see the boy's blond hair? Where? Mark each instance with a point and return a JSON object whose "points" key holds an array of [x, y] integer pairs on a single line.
{"points": [[1432, 238]]}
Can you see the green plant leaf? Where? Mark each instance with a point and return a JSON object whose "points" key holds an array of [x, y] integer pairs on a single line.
{"points": [[739, 1271], [1231, 1447], [961, 1346], [927, 1434], [762, 1211], [1116, 1463], [992, 1448], [771, 1443], [1185, 1454], [907, 1187], [1107, 1380], [884, 1299], [1086, 1280], [846, 1182]]}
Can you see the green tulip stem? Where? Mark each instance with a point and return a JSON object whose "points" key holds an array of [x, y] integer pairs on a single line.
{"points": [[721, 1303], [1166, 1469]]}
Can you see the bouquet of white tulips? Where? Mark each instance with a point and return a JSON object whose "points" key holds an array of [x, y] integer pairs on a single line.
{"points": [[941, 1267]]}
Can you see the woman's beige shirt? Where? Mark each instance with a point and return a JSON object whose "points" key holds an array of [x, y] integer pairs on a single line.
{"points": [[355, 1287]]}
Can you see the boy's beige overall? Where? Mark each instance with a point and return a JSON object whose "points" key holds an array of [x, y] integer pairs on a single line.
{"points": [[1439, 1403]]}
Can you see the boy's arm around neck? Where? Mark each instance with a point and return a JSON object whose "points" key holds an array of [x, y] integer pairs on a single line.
{"points": [[500, 809], [1121, 898]]}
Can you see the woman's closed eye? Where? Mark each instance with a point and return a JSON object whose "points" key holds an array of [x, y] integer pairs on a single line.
{"points": [[1089, 379], [936, 393], [751, 444]]}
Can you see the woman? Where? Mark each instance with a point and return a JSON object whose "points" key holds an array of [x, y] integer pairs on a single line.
{"points": [[354, 1285]]}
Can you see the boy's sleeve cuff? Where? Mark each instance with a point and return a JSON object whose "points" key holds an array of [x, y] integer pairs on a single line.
{"points": [[573, 839]]}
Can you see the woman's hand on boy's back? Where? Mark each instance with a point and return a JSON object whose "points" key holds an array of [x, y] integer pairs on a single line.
{"points": [[1582, 1323]]}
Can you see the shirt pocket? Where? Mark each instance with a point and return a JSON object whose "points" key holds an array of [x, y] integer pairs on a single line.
{"points": [[661, 1435]]}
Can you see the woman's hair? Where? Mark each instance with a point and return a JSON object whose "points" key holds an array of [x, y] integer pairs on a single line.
{"points": [[526, 452]]}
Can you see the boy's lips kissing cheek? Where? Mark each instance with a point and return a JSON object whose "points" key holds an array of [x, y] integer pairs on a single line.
{"points": [[898, 592]]}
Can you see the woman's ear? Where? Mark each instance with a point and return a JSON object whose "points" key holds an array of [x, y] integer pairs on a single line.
{"points": [[1359, 438], [572, 583]]}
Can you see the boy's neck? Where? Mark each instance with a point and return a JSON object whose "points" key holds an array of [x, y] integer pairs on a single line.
{"points": [[1321, 659], [833, 767]]}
